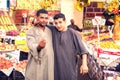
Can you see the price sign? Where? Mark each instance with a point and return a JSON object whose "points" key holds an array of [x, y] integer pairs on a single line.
{"points": [[2, 32], [103, 21], [3, 4]]}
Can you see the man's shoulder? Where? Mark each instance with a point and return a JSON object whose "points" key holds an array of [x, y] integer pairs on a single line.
{"points": [[30, 30], [51, 27], [71, 30], [69, 25]]}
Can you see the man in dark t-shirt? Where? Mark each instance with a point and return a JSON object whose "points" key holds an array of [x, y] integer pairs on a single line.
{"points": [[73, 26]]}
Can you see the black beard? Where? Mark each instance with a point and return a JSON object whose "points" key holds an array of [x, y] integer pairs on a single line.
{"points": [[38, 24], [41, 25]]}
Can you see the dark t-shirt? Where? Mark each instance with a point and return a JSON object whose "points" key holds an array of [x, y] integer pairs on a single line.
{"points": [[75, 27], [107, 15]]}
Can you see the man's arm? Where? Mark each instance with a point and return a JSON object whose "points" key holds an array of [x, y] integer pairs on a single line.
{"points": [[84, 67], [82, 51], [51, 27], [78, 29], [31, 42]]}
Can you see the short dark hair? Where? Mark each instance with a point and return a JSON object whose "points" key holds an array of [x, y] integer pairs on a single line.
{"points": [[41, 11], [59, 15]]}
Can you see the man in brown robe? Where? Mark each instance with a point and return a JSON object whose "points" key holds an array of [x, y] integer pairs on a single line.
{"points": [[41, 58]]}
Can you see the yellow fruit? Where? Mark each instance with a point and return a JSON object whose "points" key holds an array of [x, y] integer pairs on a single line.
{"points": [[6, 28], [78, 6]]}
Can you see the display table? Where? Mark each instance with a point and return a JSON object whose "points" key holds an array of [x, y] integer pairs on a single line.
{"points": [[110, 57], [12, 65], [111, 75]]}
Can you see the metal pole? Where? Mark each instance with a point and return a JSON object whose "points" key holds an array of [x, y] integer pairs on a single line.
{"points": [[98, 35]]}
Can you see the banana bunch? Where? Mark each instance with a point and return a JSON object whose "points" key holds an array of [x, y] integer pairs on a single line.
{"points": [[86, 2], [46, 3], [80, 4]]}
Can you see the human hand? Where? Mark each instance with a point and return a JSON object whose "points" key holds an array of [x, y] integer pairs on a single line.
{"points": [[84, 69], [111, 20], [42, 43]]}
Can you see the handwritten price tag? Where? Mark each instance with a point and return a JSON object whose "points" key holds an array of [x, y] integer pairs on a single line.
{"points": [[98, 21]]}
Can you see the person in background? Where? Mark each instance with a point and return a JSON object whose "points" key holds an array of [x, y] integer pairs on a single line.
{"points": [[74, 26], [41, 56], [109, 16], [66, 43], [50, 21]]}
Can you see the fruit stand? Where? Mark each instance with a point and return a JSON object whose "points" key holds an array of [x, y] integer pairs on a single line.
{"points": [[107, 54], [11, 66], [102, 46], [13, 49], [14, 22]]}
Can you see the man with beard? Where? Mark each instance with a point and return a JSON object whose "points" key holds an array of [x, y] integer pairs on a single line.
{"points": [[41, 58]]}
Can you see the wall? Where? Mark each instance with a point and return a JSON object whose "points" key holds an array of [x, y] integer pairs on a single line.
{"points": [[94, 9], [67, 7]]}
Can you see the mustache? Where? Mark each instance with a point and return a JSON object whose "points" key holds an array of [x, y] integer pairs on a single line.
{"points": [[38, 24]]}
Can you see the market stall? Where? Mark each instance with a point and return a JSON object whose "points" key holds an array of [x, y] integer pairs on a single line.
{"points": [[15, 19], [103, 46], [14, 24], [107, 53]]}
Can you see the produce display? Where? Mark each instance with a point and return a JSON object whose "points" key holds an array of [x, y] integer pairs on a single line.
{"points": [[7, 25], [12, 33], [21, 66], [88, 23], [23, 47], [10, 45], [8, 28], [91, 37], [37, 4], [7, 47], [11, 40], [21, 43], [107, 52], [8, 62], [105, 41], [80, 4], [5, 63], [109, 45]]}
